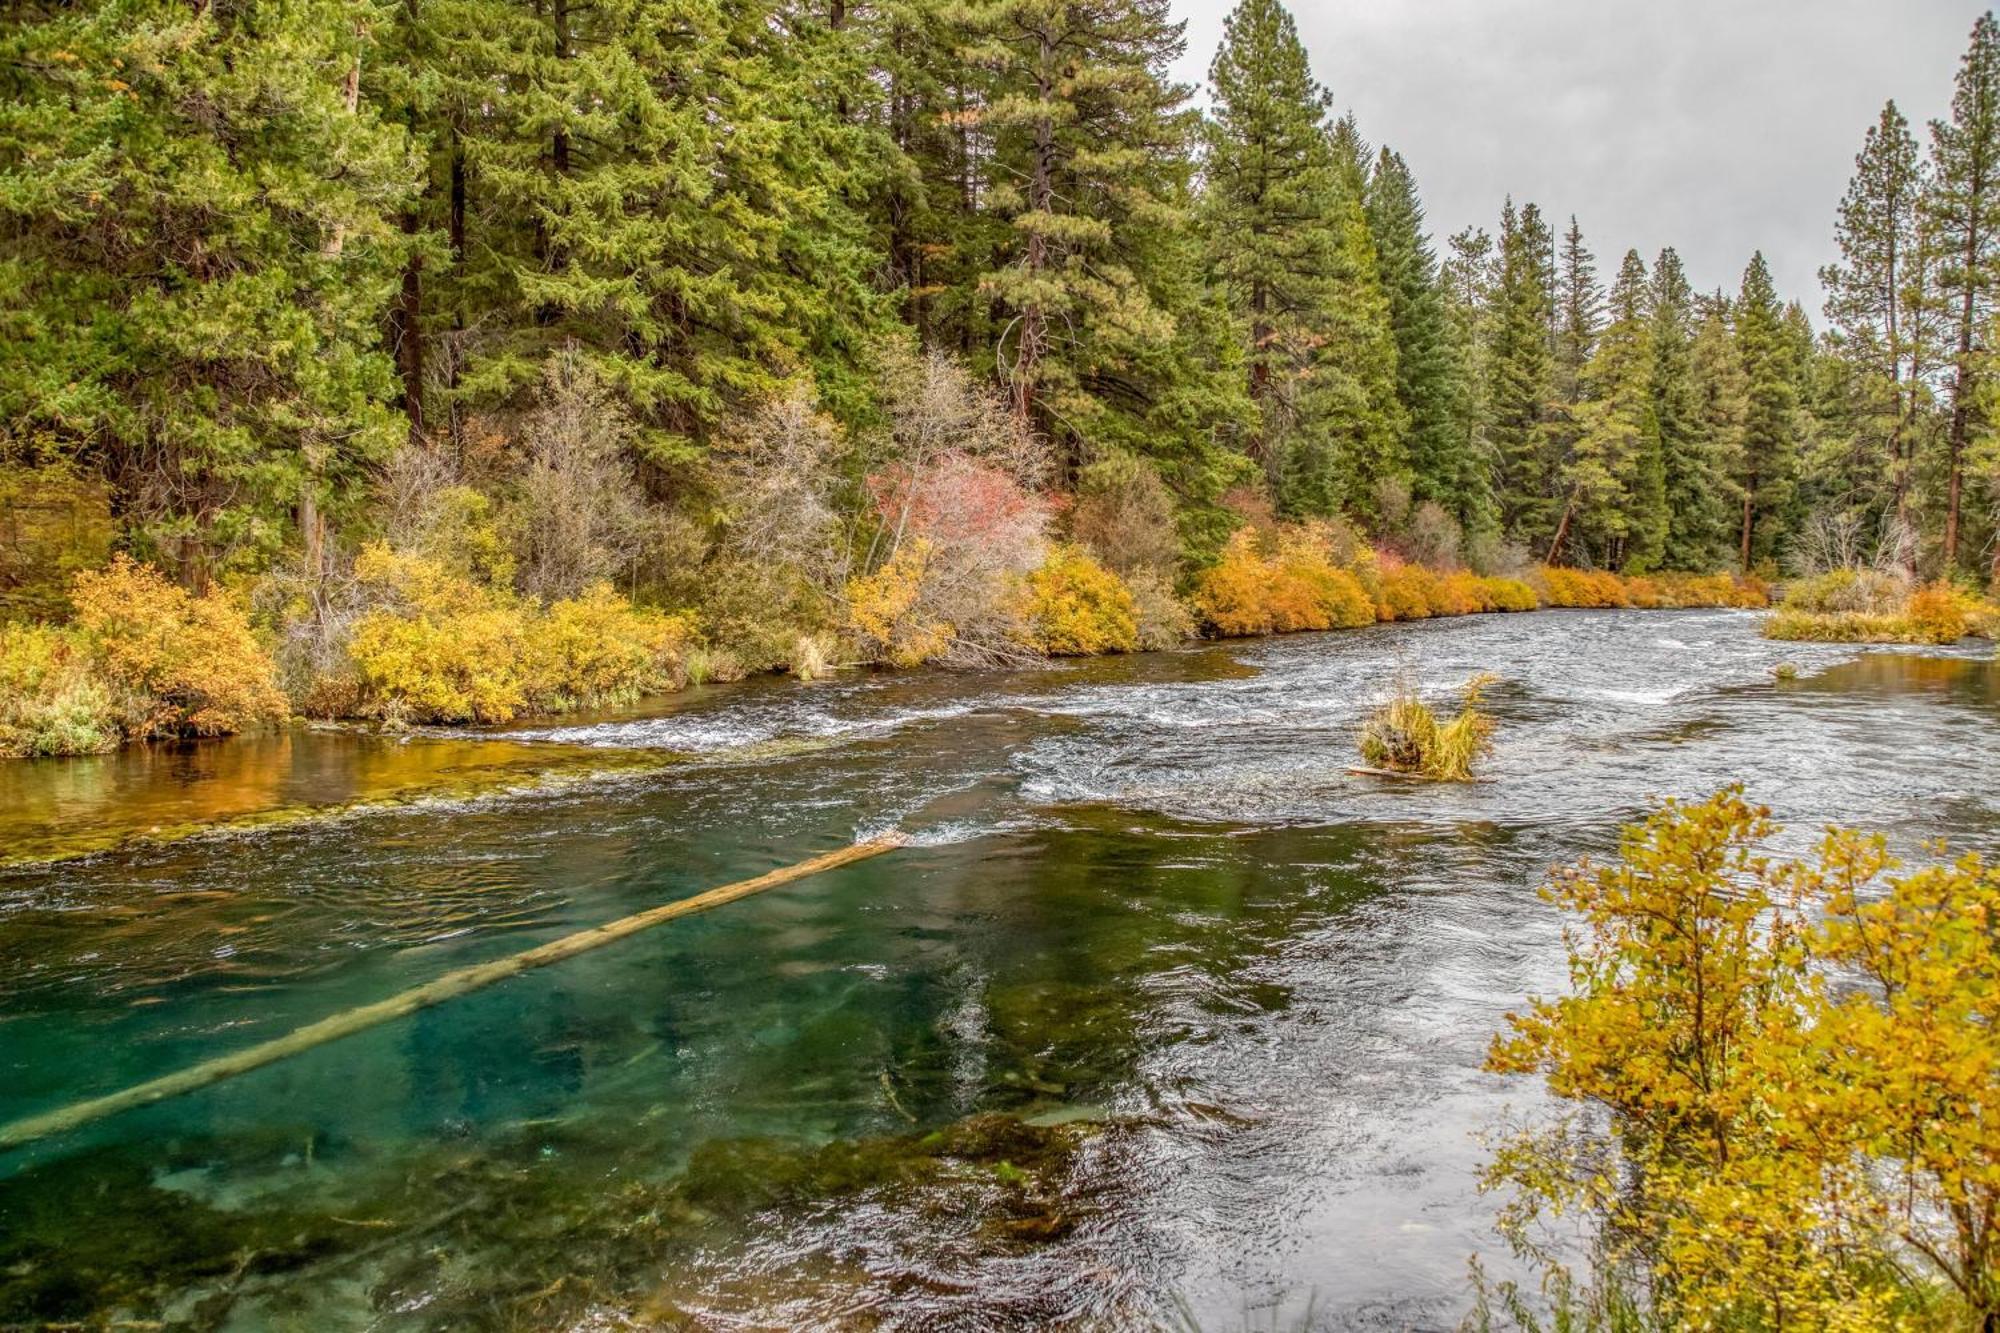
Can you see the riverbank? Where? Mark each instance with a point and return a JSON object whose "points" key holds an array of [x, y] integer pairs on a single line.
{"points": [[142, 659]]}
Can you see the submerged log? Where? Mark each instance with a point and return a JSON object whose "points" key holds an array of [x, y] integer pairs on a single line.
{"points": [[447, 987]]}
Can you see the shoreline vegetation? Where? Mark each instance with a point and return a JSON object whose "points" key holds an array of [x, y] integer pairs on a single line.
{"points": [[142, 659], [384, 365]]}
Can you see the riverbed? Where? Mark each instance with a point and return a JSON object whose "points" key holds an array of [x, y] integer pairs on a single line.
{"points": [[1163, 1018]]}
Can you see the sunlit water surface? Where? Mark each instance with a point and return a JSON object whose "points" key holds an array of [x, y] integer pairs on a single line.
{"points": [[1165, 1016]]}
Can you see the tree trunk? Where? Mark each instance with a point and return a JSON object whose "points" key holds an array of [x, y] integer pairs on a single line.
{"points": [[1041, 197], [1749, 511]]}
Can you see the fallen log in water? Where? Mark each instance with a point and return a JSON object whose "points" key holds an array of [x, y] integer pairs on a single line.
{"points": [[447, 987], [1360, 771]]}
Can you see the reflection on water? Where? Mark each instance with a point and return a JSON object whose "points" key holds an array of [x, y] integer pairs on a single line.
{"points": [[1162, 1002]]}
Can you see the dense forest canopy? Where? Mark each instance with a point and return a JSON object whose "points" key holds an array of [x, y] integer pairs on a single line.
{"points": [[782, 314]]}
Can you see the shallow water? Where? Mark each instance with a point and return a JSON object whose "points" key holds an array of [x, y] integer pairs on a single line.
{"points": [[1164, 1014]]}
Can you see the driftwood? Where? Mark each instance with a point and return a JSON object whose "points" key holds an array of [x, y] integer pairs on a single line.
{"points": [[1360, 771], [447, 987]]}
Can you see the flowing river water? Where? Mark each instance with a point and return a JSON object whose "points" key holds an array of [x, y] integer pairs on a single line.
{"points": [[1164, 1018]]}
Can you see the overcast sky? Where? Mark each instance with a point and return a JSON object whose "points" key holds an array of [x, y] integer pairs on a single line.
{"points": [[1716, 126]]}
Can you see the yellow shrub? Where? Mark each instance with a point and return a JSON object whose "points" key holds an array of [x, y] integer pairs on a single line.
{"points": [[1936, 613], [1075, 607], [883, 610], [1408, 592], [443, 648], [599, 649], [1234, 594], [180, 665], [1509, 595], [1461, 594], [50, 701], [1299, 589], [1581, 587], [465, 667]]}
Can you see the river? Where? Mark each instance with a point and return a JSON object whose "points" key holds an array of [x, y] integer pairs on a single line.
{"points": [[1163, 1017]]}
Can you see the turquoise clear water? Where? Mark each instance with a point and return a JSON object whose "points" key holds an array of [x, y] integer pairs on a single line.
{"points": [[1163, 1014]]}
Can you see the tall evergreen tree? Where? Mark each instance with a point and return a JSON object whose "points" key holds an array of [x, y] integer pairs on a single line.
{"points": [[1101, 334], [1579, 312], [1521, 372], [1711, 481], [1964, 206], [1429, 369], [1614, 480], [1268, 208], [1768, 452], [198, 209], [1691, 483], [1468, 280], [1867, 293]]}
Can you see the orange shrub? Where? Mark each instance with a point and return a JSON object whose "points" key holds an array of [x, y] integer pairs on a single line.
{"points": [[1409, 592], [181, 665], [1580, 587], [1936, 613], [1462, 594], [1234, 594], [1509, 595], [1076, 607], [1300, 588]]}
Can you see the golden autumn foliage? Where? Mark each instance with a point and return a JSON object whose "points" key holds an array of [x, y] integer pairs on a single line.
{"points": [[1864, 606], [443, 646], [1797, 1060], [143, 658], [177, 664], [51, 701], [884, 610], [1075, 607], [1295, 587]]}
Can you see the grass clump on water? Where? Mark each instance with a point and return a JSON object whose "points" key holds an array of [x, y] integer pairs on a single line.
{"points": [[1405, 736]]}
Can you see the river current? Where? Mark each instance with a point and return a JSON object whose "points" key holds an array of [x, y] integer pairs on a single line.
{"points": [[1164, 1018]]}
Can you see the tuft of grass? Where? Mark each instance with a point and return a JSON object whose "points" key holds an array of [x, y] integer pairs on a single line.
{"points": [[1404, 735], [1786, 671]]}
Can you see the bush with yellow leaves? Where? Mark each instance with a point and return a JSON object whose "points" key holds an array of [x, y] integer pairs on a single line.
{"points": [[1297, 587], [1796, 1063], [1075, 607], [885, 610], [142, 659], [443, 646], [177, 664], [51, 702]]}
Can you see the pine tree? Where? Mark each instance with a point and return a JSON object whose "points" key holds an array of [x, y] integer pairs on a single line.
{"points": [[1613, 480], [1579, 313], [1710, 527], [1521, 384], [1268, 210], [1690, 481], [1867, 294], [1964, 207], [1356, 443], [1767, 457], [199, 250], [1429, 369], [1099, 329], [1468, 280]]}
